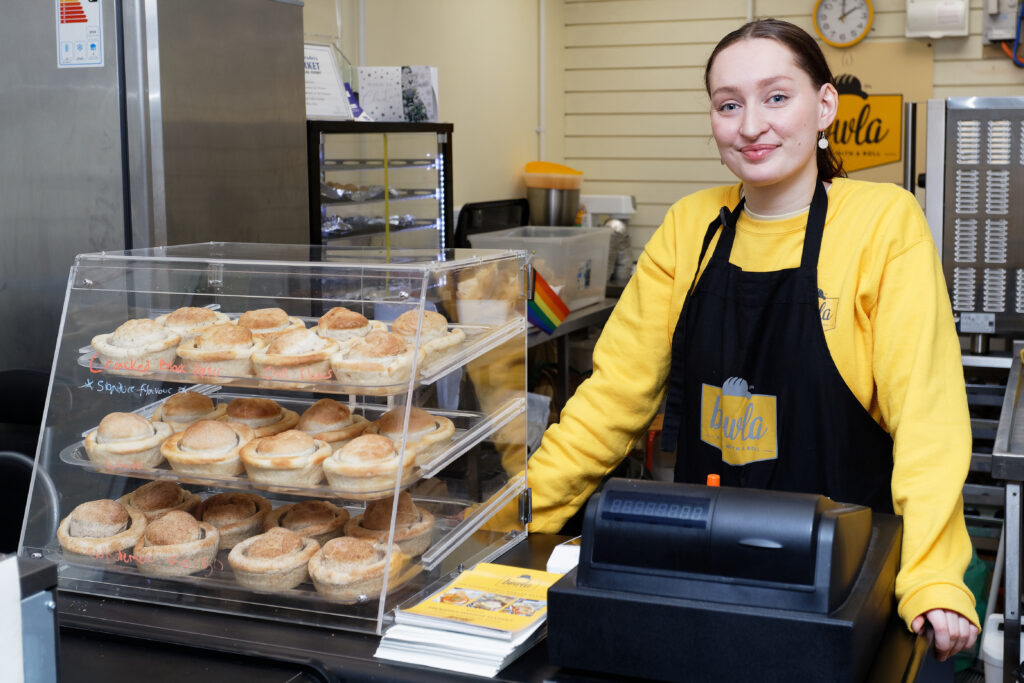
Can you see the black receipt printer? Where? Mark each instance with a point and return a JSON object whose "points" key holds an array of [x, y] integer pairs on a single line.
{"points": [[696, 583]]}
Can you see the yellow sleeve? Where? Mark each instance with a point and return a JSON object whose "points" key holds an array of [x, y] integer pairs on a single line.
{"points": [[612, 408], [923, 403]]}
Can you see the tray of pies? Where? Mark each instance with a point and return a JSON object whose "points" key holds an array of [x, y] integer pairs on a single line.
{"points": [[307, 552], [342, 353], [356, 451]]}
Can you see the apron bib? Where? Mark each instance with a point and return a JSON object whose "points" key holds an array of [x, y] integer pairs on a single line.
{"points": [[753, 393]]}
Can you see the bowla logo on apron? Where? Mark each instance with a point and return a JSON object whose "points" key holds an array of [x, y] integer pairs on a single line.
{"points": [[739, 424]]}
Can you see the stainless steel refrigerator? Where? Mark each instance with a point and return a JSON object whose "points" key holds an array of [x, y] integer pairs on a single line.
{"points": [[138, 123]]}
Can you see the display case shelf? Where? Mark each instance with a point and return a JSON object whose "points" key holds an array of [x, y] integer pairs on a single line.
{"points": [[396, 196], [331, 165], [479, 340]]}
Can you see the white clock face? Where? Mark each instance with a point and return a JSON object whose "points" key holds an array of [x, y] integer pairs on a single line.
{"points": [[843, 22]]}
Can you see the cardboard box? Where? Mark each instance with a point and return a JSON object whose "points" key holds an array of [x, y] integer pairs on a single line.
{"points": [[399, 93]]}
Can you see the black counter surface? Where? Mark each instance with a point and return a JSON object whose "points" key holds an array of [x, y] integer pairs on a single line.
{"points": [[104, 639]]}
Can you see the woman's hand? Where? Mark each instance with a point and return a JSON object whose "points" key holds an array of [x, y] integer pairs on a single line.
{"points": [[953, 632]]}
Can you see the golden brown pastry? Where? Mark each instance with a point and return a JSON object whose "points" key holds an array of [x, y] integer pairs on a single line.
{"points": [[208, 447], [380, 359], [333, 422], [342, 325], [136, 347], [352, 569], [176, 545], [186, 407], [190, 321], [316, 519], [366, 467], [267, 323], [264, 416], [221, 351], [298, 356], [427, 434], [413, 525], [435, 337], [101, 529], [236, 514], [126, 441], [273, 561], [157, 498], [290, 458]]}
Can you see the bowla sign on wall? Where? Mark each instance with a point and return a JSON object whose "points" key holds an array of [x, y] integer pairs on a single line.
{"points": [[867, 129]]}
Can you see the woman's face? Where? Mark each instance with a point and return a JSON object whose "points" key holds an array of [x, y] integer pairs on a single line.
{"points": [[766, 114]]}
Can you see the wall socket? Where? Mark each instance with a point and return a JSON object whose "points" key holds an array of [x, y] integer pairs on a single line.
{"points": [[999, 20]]}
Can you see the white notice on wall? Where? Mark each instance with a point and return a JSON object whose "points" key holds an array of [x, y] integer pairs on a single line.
{"points": [[325, 88], [79, 33]]}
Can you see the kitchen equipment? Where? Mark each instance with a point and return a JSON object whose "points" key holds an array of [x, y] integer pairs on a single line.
{"points": [[553, 191], [975, 184], [614, 211], [186, 124]]}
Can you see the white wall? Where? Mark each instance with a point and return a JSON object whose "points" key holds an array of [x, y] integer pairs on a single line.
{"points": [[487, 55], [625, 99]]}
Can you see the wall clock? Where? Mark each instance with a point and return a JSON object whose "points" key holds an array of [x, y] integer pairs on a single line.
{"points": [[843, 23]]}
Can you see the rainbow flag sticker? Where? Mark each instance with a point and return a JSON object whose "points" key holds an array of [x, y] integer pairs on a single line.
{"points": [[545, 309]]}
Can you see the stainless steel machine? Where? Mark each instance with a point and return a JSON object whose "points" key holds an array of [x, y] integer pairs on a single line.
{"points": [[975, 171], [138, 123]]}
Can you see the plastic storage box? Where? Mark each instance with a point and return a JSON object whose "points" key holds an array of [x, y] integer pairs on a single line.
{"points": [[992, 648], [574, 261]]}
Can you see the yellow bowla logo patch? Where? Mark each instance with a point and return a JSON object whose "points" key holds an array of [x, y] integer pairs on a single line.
{"points": [[739, 424], [866, 131]]}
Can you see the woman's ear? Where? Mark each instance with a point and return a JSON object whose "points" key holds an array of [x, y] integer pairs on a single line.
{"points": [[829, 101]]}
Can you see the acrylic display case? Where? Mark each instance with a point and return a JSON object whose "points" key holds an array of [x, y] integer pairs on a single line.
{"points": [[380, 184], [466, 372]]}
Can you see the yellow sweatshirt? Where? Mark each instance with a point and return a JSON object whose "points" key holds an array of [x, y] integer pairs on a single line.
{"points": [[888, 326]]}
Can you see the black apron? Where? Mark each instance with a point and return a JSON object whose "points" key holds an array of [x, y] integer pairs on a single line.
{"points": [[753, 393]]}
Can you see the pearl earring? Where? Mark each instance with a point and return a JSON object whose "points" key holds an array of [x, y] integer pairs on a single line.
{"points": [[822, 141]]}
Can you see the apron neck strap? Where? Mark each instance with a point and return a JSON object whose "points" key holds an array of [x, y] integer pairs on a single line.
{"points": [[815, 229]]}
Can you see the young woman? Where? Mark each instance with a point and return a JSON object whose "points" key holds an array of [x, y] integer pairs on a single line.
{"points": [[798, 325]]}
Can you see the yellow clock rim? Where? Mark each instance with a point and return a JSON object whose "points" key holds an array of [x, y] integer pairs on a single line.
{"points": [[849, 43]]}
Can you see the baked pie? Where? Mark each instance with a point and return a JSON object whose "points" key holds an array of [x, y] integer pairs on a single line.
{"points": [[186, 407], [236, 514], [101, 529], [221, 351], [333, 422], [379, 358], [342, 325], [267, 323], [353, 569], [427, 434], [291, 458], [316, 519], [296, 356], [435, 337], [366, 467], [137, 347], [208, 447], [264, 416], [126, 441], [190, 321], [157, 498], [273, 561], [176, 545], [412, 524]]}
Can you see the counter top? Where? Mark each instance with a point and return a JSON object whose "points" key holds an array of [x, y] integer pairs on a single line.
{"points": [[102, 638]]}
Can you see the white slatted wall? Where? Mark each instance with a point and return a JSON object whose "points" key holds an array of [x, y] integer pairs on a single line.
{"points": [[636, 117]]}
